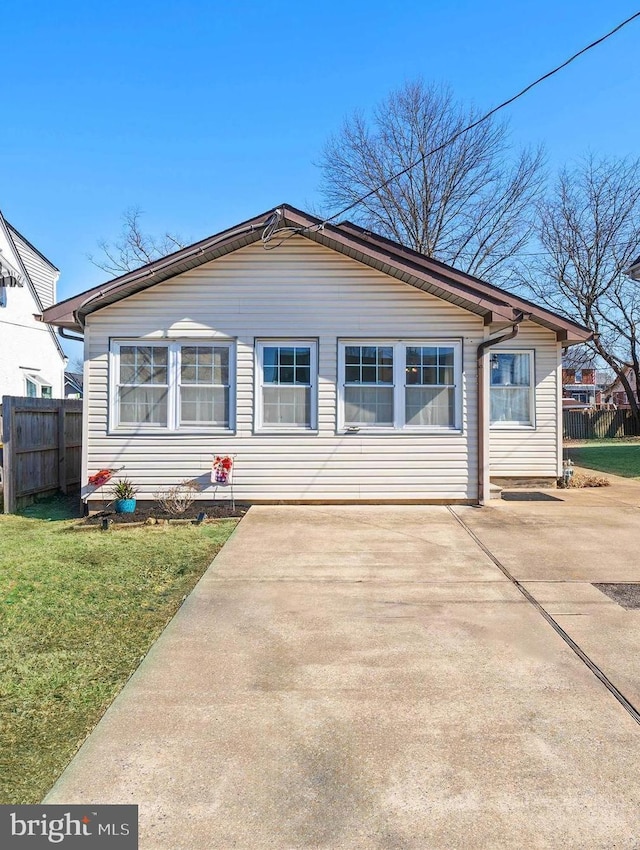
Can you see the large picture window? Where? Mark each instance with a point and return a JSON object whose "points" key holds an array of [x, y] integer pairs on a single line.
{"points": [[160, 385], [408, 385], [512, 399], [286, 385]]}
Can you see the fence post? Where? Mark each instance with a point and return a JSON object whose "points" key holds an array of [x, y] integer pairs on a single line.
{"points": [[62, 450], [8, 441]]}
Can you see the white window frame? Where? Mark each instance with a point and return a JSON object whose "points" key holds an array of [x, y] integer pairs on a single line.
{"points": [[39, 384], [285, 342], [173, 395], [511, 425], [399, 364]]}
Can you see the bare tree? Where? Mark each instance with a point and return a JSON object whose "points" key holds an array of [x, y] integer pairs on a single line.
{"points": [[134, 248], [589, 229], [469, 204]]}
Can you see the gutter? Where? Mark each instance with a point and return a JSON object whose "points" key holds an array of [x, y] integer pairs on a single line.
{"points": [[483, 441]]}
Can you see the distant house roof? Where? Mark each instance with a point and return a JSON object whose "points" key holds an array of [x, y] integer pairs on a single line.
{"points": [[74, 381], [471, 293], [634, 271]]}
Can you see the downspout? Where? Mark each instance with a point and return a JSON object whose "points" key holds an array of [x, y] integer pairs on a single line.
{"points": [[482, 408]]}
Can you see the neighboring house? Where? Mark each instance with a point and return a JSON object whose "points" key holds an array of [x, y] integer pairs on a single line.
{"points": [[335, 366], [582, 387], [31, 359], [73, 384], [616, 394], [634, 271]]}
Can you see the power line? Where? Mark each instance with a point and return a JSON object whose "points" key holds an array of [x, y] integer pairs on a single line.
{"points": [[466, 129]]}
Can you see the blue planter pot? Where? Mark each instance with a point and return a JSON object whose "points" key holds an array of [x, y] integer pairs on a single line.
{"points": [[124, 506]]}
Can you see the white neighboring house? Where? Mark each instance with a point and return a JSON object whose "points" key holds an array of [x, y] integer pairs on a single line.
{"points": [[31, 358], [337, 366]]}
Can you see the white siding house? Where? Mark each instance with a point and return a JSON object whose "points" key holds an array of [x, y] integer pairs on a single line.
{"points": [[31, 359], [334, 366]]}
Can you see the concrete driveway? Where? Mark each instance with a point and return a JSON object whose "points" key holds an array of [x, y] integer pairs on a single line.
{"points": [[367, 677]]}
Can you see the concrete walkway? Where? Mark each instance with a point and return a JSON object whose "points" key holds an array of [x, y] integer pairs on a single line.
{"points": [[366, 677]]}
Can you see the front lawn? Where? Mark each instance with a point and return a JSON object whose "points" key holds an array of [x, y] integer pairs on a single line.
{"points": [[619, 457], [80, 609]]}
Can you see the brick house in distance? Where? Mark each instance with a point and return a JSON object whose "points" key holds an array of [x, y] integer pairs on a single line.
{"points": [[581, 387]]}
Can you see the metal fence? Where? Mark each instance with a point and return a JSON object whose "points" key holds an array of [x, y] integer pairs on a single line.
{"points": [[42, 448], [594, 424]]}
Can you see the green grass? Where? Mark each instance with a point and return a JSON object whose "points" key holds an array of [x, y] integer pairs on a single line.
{"points": [[78, 612], [619, 457]]}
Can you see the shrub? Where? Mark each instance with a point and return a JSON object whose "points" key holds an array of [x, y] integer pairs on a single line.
{"points": [[176, 500]]}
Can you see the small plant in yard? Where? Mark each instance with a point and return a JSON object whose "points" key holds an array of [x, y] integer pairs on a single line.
{"points": [[124, 489], [176, 500]]}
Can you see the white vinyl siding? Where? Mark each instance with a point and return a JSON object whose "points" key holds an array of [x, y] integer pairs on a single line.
{"points": [[42, 274], [532, 451], [299, 291]]}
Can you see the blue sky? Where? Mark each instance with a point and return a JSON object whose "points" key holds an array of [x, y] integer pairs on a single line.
{"points": [[206, 113]]}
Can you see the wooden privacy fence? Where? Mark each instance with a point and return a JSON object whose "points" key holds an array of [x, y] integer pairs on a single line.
{"points": [[42, 448], [591, 424]]}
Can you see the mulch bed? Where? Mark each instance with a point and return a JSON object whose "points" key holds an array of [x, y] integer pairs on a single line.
{"points": [[148, 511]]}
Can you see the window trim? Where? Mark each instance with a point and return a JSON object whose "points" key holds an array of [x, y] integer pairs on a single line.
{"points": [[512, 424], [260, 343], [39, 384], [173, 396], [399, 364]]}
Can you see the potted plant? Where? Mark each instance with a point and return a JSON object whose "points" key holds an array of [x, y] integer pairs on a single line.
{"points": [[124, 494]]}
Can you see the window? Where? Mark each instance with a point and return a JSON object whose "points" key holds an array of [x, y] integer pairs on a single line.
{"points": [[578, 376], [430, 386], [204, 385], [512, 388], [171, 385], [286, 379], [368, 385], [413, 385], [143, 385], [35, 387]]}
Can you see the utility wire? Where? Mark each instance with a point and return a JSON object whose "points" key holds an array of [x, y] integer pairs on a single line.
{"points": [[471, 126]]}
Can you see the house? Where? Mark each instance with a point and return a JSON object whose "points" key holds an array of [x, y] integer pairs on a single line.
{"points": [[634, 271], [73, 384], [331, 363], [616, 394], [583, 386], [31, 359]]}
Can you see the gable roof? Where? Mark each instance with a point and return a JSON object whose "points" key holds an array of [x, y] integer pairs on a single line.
{"points": [[16, 232], [470, 293], [9, 231], [74, 380], [634, 270]]}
